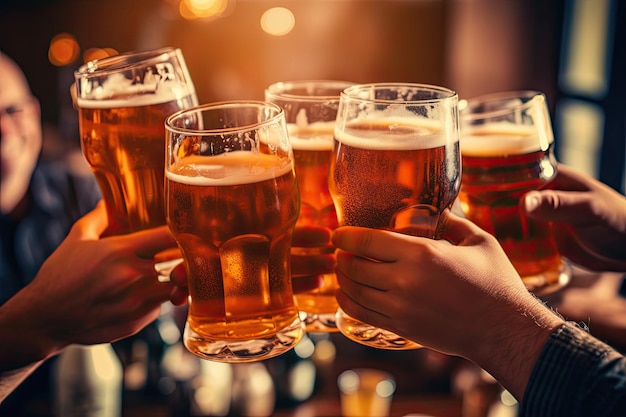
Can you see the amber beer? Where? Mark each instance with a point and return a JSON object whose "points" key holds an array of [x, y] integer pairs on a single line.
{"points": [[312, 147], [395, 166], [501, 162], [233, 220], [310, 108], [405, 185], [123, 140], [123, 101]]}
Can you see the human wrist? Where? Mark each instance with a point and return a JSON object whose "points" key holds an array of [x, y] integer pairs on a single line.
{"points": [[514, 340], [25, 333]]}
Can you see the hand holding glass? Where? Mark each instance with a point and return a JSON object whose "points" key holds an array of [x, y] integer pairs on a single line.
{"points": [[396, 166], [231, 203], [507, 147]]}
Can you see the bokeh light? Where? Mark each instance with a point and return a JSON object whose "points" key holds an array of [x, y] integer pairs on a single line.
{"points": [[202, 9], [63, 50], [278, 21], [98, 53]]}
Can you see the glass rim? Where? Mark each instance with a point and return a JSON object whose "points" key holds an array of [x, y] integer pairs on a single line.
{"points": [[276, 89], [123, 61], [466, 104], [226, 104], [446, 93]]}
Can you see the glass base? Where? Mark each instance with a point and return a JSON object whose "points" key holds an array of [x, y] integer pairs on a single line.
{"points": [[241, 351], [371, 336], [319, 322], [550, 281]]}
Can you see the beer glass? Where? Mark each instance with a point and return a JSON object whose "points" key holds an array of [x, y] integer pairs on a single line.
{"points": [[232, 203], [395, 166], [507, 149], [310, 108], [122, 104]]}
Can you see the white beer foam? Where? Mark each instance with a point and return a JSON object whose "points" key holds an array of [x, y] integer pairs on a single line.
{"points": [[401, 133], [231, 168], [133, 95], [500, 139], [317, 136]]}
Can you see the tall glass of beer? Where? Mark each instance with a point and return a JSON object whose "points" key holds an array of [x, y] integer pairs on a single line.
{"points": [[122, 104], [310, 108], [232, 202], [507, 149], [396, 166]]}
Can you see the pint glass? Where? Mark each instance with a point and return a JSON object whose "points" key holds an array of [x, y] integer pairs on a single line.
{"points": [[507, 149], [232, 203], [396, 166], [122, 104], [310, 108]]}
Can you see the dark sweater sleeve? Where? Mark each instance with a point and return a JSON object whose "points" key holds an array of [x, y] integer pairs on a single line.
{"points": [[576, 375]]}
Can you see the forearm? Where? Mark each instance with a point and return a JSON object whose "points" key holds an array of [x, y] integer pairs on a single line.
{"points": [[10, 380], [514, 340], [21, 352], [24, 334]]}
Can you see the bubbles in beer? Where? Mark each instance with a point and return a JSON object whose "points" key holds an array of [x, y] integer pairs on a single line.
{"points": [[205, 262], [501, 162], [234, 233], [124, 146], [403, 180]]}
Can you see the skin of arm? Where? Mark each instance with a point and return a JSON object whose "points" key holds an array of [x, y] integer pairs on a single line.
{"points": [[459, 295], [89, 291]]}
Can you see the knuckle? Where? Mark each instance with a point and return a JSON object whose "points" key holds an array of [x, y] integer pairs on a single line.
{"points": [[364, 242]]}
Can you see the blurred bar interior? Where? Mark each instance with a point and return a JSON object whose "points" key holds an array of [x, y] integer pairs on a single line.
{"points": [[234, 48], [568, 49]]}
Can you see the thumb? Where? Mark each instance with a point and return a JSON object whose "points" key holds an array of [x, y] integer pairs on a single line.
{"points": [[562, 206], [460, 231]]}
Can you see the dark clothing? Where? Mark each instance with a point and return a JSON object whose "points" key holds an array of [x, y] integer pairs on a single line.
{"points": [[57, 197], [576, 375]]}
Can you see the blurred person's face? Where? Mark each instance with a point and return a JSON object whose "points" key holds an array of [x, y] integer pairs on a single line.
{"points": [[20, 134]]}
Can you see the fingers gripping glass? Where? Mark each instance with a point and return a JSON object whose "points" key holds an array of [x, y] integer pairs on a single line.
{"points": [[508, 149], [122, 104], [395, 166]]}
